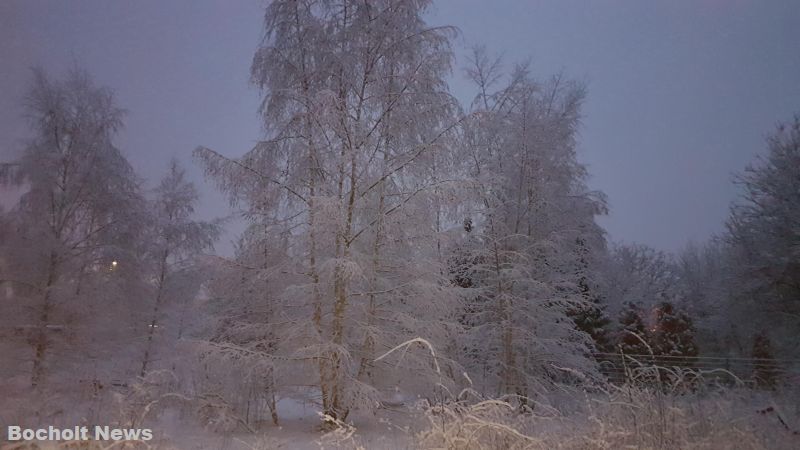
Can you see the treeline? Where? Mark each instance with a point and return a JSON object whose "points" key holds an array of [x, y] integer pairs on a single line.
{"points": [[383, 211], [92, 264], [396, 241], [735, 295]]}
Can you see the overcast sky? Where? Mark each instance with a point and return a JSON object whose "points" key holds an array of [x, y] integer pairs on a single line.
{"points": [[681, 93]]}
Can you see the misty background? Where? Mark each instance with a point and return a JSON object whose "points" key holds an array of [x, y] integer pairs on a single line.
{"points": [[680, 93], [411, 270]]}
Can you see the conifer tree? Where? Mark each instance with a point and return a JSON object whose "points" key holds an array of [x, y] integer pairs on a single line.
{"points": [[592, 320], [590, 316], [633, 337], [674, 332]]}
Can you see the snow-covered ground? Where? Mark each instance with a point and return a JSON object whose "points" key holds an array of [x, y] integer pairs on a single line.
{"points": [[621, 417]]}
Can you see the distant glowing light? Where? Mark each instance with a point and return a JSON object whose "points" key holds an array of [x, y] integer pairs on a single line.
{"points": [[113, 265]]}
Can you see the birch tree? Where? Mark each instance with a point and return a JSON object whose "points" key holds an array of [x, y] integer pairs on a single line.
{"points": [[356, 112], [531, 208], [175, 240], [74, 228]]}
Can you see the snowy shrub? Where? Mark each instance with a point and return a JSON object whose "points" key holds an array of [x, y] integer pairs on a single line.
{"points": [[631, 416]]}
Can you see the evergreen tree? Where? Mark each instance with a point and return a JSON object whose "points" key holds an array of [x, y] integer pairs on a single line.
{"points": [[633, 336], [674, 332], [590, 316], [592, 320]]}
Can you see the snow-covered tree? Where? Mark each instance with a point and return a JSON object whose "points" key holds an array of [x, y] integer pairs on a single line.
{"points": [[73, 249], [633, 337], [706, 288], [764, 228], [592, 320], [374, 210], [175, 240], [239, 359], [591, 317], [355, 112], [673, 332], [530, 214], [637, 274]]}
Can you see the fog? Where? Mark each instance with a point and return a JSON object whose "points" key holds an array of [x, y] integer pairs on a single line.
{"points": [[681, 94], [386, 224]]}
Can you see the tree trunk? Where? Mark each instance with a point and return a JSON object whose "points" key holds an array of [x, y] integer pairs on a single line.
{"points": [[41, 341], [156, 308], [368, 348]]}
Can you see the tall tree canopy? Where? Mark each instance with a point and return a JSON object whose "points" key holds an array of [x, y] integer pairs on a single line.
{"points": [[355, 110], [765, 223], [77, 222]]}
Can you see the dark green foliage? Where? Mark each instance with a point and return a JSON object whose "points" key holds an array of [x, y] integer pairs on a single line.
{"points": [[462, 269], [589, 317], [592, 320], [674, 332], [632, 337]]}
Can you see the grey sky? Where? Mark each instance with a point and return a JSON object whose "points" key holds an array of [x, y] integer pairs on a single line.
{"points": [[681, 93]]}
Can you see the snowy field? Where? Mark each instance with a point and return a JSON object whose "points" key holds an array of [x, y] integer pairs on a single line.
{"points": [[672, 416]]}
